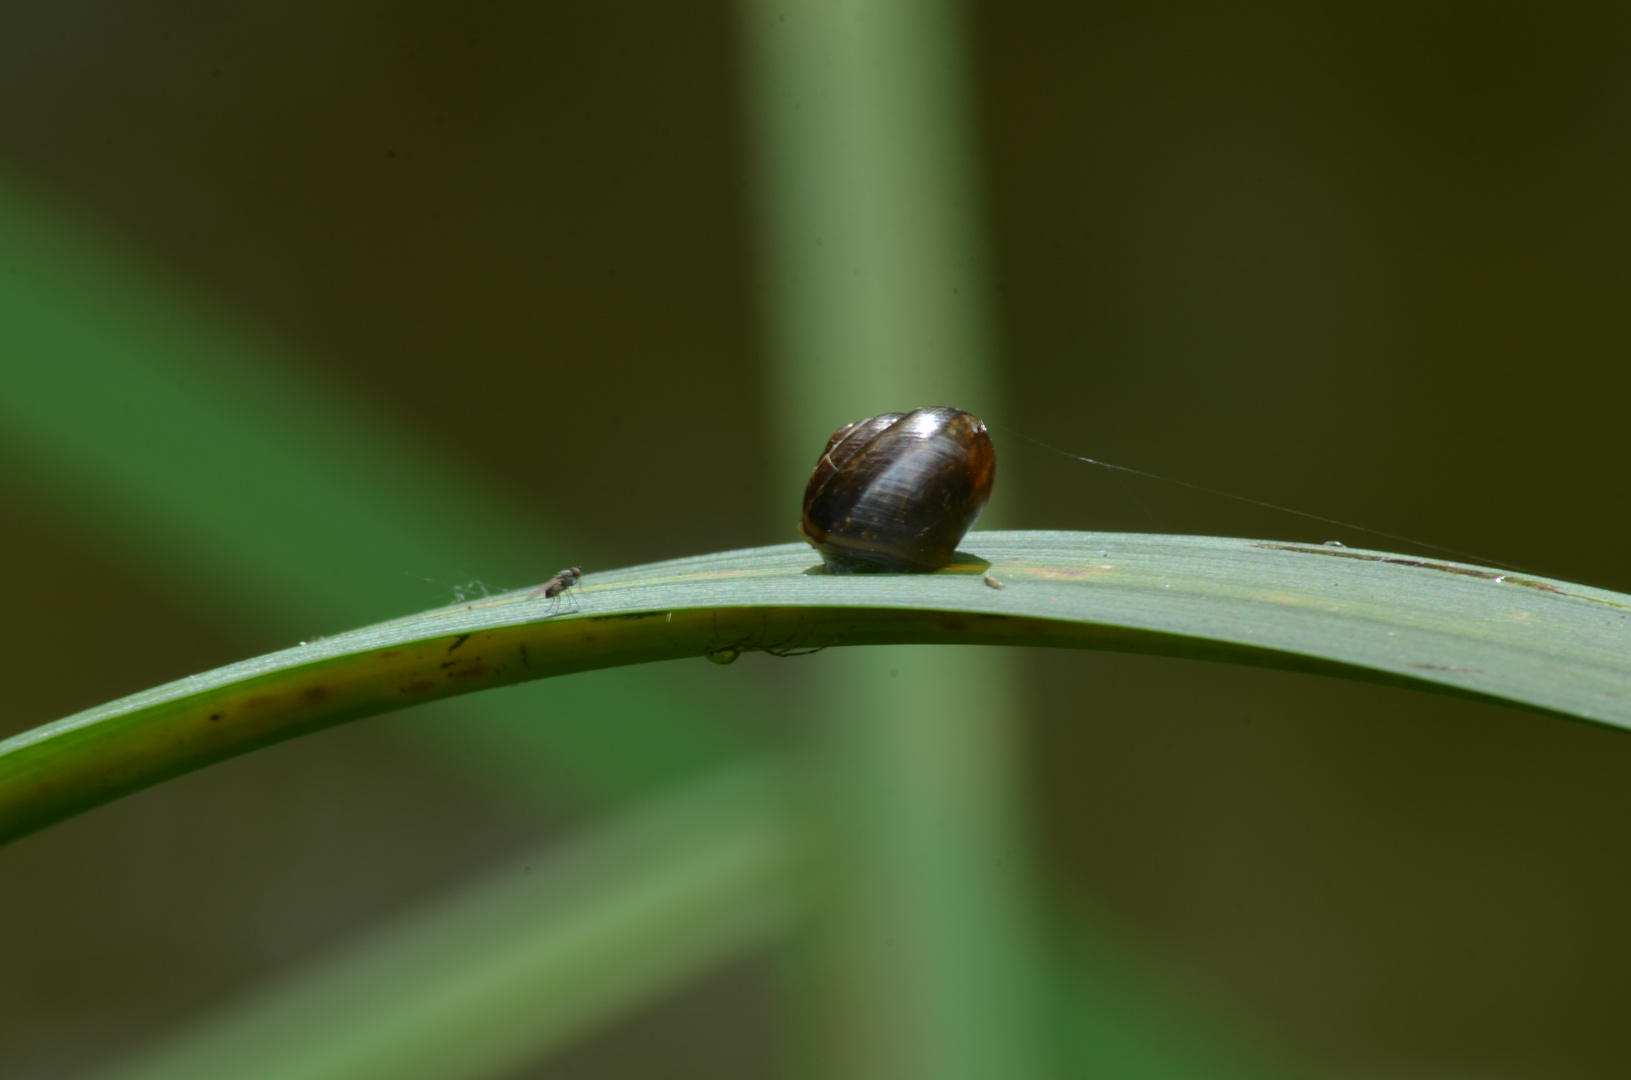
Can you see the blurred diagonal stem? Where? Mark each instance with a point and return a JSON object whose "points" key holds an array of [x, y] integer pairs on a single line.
{"points": [[212, 463], [514, 967]]}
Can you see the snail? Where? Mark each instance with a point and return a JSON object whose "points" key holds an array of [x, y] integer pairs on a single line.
{"points": [[898, 491]]}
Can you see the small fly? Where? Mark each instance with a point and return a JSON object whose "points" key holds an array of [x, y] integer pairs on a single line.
{"points": [[557, 586]]}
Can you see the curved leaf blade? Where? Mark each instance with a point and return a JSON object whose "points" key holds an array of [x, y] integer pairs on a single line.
{"points": [[1544, 645]]}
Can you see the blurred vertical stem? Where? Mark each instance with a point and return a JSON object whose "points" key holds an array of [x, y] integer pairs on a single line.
{"points": [[924, 960]]}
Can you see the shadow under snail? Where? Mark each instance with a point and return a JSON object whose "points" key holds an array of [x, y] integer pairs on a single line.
{"points": [[897, 492]]}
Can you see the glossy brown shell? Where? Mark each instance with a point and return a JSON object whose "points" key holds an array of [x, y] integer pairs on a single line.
{"points": [[898, 491]]}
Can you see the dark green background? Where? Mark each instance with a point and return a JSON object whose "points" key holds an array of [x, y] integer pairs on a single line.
{"points": [[1367, 261]]}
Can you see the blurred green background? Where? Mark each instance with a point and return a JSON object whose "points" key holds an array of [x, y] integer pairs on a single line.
{"points": [[1367, 261]]}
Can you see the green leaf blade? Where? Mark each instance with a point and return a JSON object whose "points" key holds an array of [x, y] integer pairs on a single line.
{"points": [[1543, 645]]}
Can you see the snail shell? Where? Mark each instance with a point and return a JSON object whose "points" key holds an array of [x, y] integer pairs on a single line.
{"points": [[898, 491]]}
